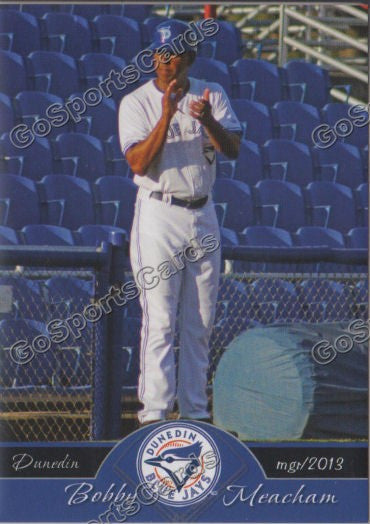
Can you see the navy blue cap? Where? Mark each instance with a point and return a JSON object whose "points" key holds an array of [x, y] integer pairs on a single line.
{"points": [[165, 33]]}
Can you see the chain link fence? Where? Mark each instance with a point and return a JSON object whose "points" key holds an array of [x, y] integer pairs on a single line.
{"points": [[47, 392], [246, 300], [46, 387]]}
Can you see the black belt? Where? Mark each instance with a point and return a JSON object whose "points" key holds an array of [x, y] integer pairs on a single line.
{"points": [[189, 204]]}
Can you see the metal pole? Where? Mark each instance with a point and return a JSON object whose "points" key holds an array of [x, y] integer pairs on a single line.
{"points": [[114, 348], [282, 35], [351, 71], [328, 30], [99, 410]]}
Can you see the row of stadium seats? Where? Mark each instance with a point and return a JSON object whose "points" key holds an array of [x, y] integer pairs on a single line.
{"points": [[108, 33], [137, 11], [95, 234], [239, 306], [89, 157], [288, 120], [74, 35], [252, 79], [71, 202]]}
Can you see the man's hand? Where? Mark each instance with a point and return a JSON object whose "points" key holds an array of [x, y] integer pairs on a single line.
{"points": [[170, 100], [223, 140], [201, 109]]}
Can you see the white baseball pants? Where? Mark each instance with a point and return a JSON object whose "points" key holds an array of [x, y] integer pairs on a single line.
{"points": [[160, 234]]}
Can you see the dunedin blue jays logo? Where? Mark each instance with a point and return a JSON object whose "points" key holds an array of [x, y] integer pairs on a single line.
{"points": [[165, 33], [181, 462]]}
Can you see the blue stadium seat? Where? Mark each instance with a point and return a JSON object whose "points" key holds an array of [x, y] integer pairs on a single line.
{"points": [[248, 167], [256, 80], [8, 236], [66, 33], [95, 67], [324, 300], [212, 71], [307, 82], [231, 300], [115, 161], [80, 155], [295, 120], [68, 201], [19, 32], [115, 199], [100, 120], [361, 195], [13, 75], [341, 118], [225, 45], [315, 236], [332, 205], [64, 297], [274, 300], [357, 237], [19, 203], [235, 200], [42, 369], [32, 162], [117, 35], [21, 298], [255, 120], [53, 72], [148, 26], [229, 237], [280, 204], [264, 236], [6, 114], [341, 163], [67, 295], [45, 235], [288, 161], [32, 105], [318, 236], [95, 234]]}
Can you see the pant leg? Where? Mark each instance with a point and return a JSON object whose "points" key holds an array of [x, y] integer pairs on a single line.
{"points": [[154, 239], [197, 313]]}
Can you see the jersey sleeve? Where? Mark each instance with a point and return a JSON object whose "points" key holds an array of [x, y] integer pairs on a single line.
{"points": [[223, 112], [132, 124]]}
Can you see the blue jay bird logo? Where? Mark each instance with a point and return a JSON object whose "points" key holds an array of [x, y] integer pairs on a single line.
{"points": [[179, 463]]}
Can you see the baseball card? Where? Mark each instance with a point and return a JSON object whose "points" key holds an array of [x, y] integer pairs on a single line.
{"points": [[184, 311]]}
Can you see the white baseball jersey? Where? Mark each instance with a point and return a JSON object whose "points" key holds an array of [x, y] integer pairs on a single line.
{"points": [[186, 167]]}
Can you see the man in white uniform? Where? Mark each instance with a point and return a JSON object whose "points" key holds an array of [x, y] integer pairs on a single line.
{"points": [[169, 130]]}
